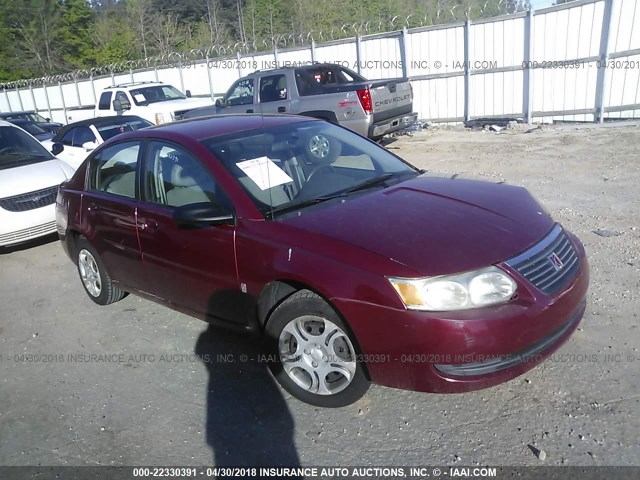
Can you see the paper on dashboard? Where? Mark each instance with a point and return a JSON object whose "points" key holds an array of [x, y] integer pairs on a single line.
{"points": [[264, 172]]}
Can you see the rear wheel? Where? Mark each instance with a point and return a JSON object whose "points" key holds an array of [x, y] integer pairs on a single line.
{"points": [[94, 276], [316, 359]]}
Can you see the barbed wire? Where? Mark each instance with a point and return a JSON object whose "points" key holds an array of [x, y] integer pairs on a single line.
{"points": [[445, 13]]}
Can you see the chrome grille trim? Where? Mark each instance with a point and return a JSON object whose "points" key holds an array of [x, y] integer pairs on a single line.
{"points": [[28, 233], [30, 201], [535, 266]]}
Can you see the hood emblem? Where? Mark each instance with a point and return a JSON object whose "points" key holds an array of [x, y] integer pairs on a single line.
{"points": [[556, 261]]}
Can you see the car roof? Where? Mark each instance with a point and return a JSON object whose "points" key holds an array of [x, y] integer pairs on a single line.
{"points": [[23, 112], [4, 123], [102, 121], [124, 86], [201, 128], [301, 66]]}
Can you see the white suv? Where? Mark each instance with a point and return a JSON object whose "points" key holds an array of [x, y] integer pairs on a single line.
{"points": [[155, 101]]}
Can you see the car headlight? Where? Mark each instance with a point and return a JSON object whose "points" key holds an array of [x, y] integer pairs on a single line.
{"points": [[479, 288], [162, 118]]}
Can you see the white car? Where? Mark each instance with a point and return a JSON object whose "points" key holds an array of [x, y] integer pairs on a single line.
{"points": [[75, 141], [29, 181]]}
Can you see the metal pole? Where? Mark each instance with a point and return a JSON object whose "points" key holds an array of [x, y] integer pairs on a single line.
{"points": [[313, 51], [209, 78], [6, 95], [358, 52], [46, 97], [64, 105], [131, 75], [33, 98], [527, 100], [93, 90], [601, 82], [180, 74], [467, 73], [75, 80], [403, 52], [19, 99]]}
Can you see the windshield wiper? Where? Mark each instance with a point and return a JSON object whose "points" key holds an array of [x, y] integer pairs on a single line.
{"points": [[306, 203], [342, 193], [372, 182]]}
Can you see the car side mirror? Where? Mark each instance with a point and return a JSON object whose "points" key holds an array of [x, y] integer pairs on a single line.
{"points": [[202, 214], [188, 93], [89, 146], [57, 148], [48, 119], [119, 106], [219, 103]]}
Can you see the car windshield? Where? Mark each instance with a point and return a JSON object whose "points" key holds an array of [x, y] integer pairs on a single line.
{"points": [[34, 117], [32, 128], [112, 129], [18, 148], [156, 93], [289, 167]]}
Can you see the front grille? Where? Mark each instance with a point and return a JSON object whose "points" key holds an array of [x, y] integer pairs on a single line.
{"points": [[30, 201], [27, 233], [550, 264]]}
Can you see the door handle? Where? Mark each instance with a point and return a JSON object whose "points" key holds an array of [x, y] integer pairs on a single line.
{"points": [[148, 225], [93, 207], [282, 109], [250, 110]]}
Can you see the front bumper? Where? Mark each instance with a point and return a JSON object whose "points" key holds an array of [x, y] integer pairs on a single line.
{"points": [[449, 352], [20, 227]]}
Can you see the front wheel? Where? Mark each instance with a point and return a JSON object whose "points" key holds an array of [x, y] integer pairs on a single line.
{"points": [[94, 276], [315, 357]]}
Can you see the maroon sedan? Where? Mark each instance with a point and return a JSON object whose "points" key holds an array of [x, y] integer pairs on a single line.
{"points": [[355, 265]]}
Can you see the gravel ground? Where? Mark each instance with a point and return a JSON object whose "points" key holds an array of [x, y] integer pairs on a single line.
{"points": [[156, 404]]}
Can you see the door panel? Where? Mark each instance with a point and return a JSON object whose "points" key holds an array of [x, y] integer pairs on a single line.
{"points": [[274, 94], [194, 268], [112, 231], [109, 213]]}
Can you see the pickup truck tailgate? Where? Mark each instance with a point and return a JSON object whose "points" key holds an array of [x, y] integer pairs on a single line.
{"points": [[390, 98]]}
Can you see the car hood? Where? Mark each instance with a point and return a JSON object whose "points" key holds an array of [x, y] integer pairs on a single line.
{"points": [[432, 225], [178, 105], [32, 177]]}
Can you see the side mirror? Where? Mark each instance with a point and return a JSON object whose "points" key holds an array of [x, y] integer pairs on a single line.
{"points": [[57, 148], [188, 93], [219, 103], [119, 106], [88, 146], [48, 119], [203, 214]]}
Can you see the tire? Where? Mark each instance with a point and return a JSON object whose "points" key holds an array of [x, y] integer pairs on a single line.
{"points": [[94, 276], [320, 149], [314, 358]]}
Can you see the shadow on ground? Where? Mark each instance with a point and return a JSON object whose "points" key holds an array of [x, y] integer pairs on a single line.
{"points": [[248, 421]]}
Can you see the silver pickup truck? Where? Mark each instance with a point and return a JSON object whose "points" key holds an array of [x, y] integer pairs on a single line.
{"points": [[372, 108]]}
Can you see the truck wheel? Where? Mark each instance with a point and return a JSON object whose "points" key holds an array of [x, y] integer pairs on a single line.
{"points": [[320, 149], [314, 357]]}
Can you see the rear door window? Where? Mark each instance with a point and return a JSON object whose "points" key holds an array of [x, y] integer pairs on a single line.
{"points": [[113, 170]]}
